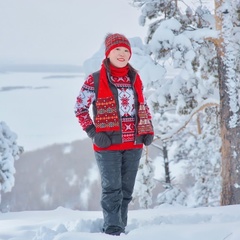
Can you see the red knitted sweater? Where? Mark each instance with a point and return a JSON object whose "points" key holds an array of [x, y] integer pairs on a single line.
{"points": [[126, 110]]}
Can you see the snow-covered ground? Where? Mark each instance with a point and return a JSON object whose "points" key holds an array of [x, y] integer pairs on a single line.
{"points": [[39, 107], [163, 223]]}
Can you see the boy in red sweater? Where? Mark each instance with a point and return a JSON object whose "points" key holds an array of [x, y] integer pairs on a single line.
{"points": [[120, 126]]}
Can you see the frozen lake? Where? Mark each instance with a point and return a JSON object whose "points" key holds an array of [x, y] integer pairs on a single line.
{"points": [[39, 107]]}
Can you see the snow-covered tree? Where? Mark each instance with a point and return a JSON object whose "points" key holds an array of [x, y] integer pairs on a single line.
{"points": [[180, 39], [145, 182], [9, 152], [202, 151], [173, 196], [183, 40]]}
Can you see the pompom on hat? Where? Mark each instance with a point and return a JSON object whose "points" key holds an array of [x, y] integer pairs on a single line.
{"points": [[116, 40]]}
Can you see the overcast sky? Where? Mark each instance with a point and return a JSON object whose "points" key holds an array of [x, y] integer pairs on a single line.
{"points": [[61, 31]]}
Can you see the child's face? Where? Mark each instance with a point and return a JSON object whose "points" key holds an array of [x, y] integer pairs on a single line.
{"points": [[119, 56]]}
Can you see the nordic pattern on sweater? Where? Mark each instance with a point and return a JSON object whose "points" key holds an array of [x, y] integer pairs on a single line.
{"points": [[126, 105]]}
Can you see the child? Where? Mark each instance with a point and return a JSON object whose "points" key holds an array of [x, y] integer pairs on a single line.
{"points": [[120, 126]]}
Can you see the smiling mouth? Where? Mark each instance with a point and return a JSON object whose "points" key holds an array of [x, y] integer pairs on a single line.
{"points": [[121, 59]]}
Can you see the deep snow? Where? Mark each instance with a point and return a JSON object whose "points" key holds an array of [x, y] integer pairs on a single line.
{"points": [[162, 223]]}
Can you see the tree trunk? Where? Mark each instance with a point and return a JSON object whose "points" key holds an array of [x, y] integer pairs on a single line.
{"points": [[166, 165], [230, 147], [229, 106]]}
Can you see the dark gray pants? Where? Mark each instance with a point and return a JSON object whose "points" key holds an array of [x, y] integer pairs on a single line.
{"points": [[118, 171]]}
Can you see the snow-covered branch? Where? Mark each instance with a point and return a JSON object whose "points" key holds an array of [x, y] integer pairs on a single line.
{"points": [[205, 104]]}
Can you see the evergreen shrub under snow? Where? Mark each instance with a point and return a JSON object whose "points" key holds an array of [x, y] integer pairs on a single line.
{"points": [[9, 152]]}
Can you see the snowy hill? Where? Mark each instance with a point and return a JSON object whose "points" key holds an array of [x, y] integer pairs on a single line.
{"points": [[163, 223], [64, 175]]}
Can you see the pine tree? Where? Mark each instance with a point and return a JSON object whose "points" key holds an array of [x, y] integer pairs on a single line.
{"points": [[145, 182], [202, 151], [172, 194], [183, 37]]}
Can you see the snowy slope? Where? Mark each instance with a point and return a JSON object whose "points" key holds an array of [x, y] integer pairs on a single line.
{"points": [[163, 223]]}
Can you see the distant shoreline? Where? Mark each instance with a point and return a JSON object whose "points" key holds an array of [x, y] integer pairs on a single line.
{"points": [[54, 68]]}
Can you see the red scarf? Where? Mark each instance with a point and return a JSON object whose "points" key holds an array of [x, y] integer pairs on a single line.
{"points": [[107, 114]]}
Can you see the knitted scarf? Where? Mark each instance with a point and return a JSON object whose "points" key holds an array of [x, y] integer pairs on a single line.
{"points": [[107, 118]]}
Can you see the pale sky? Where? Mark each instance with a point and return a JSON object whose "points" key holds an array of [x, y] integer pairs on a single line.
{"points": [[61, 31]]}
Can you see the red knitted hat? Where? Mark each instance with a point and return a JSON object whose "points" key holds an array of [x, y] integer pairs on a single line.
{"points": [[116, 40]]}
